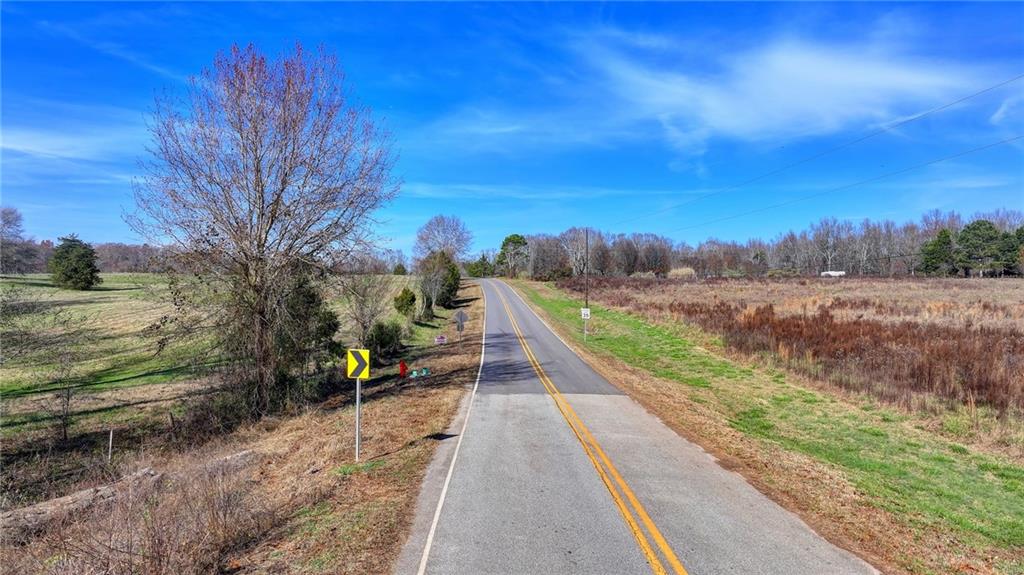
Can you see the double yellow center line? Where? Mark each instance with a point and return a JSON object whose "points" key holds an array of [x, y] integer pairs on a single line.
{"points": [[634, 514]]}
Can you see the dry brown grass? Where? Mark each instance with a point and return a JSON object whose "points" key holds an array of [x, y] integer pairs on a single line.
{"points": [[303, 505], [903, 341], [996, 303]]}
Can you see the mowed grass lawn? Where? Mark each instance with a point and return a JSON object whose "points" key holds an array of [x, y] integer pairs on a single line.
{"points": [[114, 353], [117, 366], [972, 501]]}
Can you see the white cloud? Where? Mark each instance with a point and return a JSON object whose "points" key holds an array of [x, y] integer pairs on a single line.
{"points": [[1008, 110], [53, 143], [112, 49], [782, 89], [531, 193], [629, 86], [48, 129]]}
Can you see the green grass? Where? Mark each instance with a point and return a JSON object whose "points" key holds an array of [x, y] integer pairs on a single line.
{"points": [[918, 476], [350, 468], [115, 353]]}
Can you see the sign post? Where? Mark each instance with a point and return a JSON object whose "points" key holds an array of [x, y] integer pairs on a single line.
{"points": [[585, 313], [358, 364], [460, 318]]}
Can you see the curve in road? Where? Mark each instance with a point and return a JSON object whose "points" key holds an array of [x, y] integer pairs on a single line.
{"points": [[556, 471]]}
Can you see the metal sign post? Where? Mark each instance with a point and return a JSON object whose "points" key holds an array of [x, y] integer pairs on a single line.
{"points": [[586, 283], [460, 318], [359, 409], [358, 368]]}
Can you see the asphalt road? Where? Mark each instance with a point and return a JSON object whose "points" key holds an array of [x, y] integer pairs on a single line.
{"points": [[556, 471]]}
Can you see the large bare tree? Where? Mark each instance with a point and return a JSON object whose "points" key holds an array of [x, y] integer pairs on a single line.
{"points": [[574, 241], [262, 170], [446, 234]]}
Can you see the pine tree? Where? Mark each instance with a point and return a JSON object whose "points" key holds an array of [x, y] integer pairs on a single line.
{"points": [[405, 302], [73, 265], [978, 246], [937, 256]]}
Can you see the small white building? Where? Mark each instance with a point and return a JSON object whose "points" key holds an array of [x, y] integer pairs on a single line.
{"points": [[832, 274]]}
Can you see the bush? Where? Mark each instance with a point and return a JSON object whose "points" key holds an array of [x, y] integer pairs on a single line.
{"points": [[450, 289], [399, 269], [439, 282], [384, 340], [405, 302], [73, 265]]}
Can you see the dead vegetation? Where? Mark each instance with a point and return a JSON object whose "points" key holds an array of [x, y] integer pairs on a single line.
{"points": [[902, 341], [839, 502], [301, 504]]}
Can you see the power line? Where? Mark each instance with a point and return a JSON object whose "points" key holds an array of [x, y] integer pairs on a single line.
{"points": [[826, 152], [853, 185]]}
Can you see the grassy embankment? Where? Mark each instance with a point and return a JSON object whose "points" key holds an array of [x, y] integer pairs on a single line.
{"points": [[311, 508], [868, 477]]}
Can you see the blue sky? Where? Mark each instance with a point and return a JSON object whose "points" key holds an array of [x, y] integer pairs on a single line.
{"points": [[537, 117]]}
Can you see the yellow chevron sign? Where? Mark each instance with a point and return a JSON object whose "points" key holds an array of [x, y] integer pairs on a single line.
{"points": [[359, 363]]}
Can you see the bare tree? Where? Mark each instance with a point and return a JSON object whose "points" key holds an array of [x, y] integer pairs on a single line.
{"points": [[574, 242], [601, 262], [547, 258], [1004, 219], [626, 255], [367, 299], [264, 169], [446, 234], [17, 256], [826, 240]]}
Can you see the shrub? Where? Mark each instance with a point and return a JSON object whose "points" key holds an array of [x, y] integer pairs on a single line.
{"points": [[450, 287], [399, 269], [405, 302], [439, 281], [73, 265], [384, 340]]}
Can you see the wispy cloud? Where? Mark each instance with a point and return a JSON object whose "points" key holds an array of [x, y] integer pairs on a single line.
{"points": [[110, 48], [456, 191], [1008, 110], [638, 85], [62, 130], [783, 89]]}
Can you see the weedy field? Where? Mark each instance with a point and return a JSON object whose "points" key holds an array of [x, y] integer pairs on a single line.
{"points": [[933, 491], [298, 501], [927, 344]]}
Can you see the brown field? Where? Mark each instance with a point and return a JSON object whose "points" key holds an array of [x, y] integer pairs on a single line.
{"points": [[906, 341]]}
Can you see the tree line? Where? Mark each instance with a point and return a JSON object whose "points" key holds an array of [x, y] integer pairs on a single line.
{"points": [[939, 244], [23, 255]]}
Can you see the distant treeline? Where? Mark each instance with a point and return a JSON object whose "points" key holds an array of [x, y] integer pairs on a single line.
{"points": [[941, 243], [30, 256]]}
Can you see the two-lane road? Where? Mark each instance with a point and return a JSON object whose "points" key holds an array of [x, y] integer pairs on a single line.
{"points": [[558, 472]]}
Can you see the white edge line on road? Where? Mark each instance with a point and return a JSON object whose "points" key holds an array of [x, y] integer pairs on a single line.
{"points": [[451, 468], [546, 324]]}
